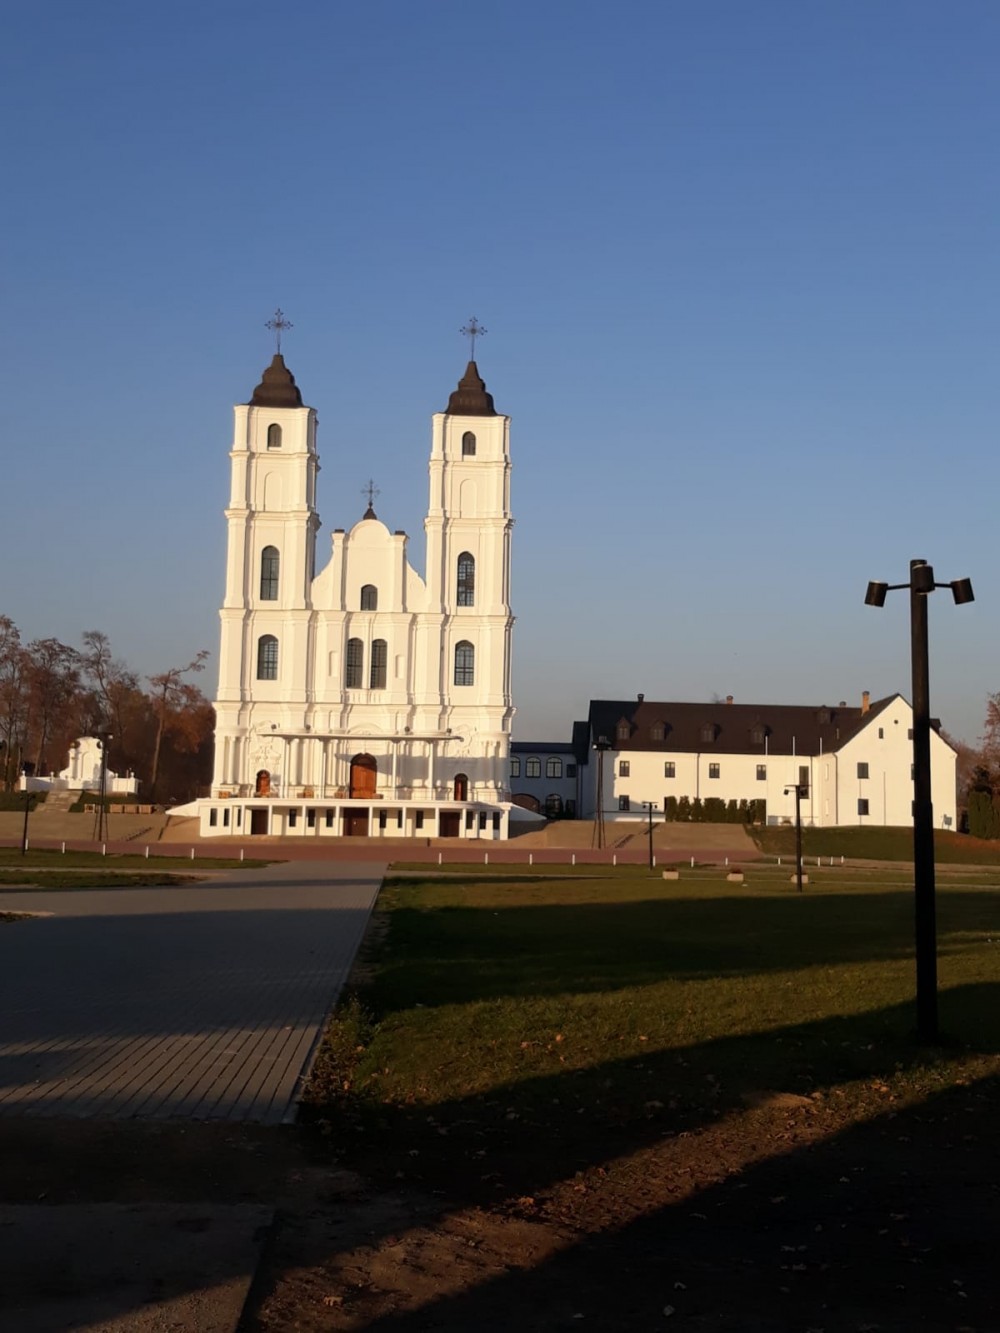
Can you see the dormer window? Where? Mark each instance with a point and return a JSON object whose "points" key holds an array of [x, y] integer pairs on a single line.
{"points": [[757, 735], [624, 731], [274, 436], [657, 731], [468, 445], [708, 733]]}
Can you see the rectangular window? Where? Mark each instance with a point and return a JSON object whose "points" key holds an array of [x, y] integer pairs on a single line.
{"points": [[913, 771], [881, 733], [624, 768], [239, 818], [571, 770], [909, 734], [762, 772], [381, 819], [713, 771], [515, 768], [293, 818], [225, 819], [213, 818], [862, 805], [378, 664], [329, 819], [418, 819], [862, 770], [623, 803], [311, 818], [669, 769], [804, 779], [355, 664]]}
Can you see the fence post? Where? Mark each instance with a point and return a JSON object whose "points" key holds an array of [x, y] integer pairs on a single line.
{"points": [[242, 852], [573, 859], [439, 858], [531, 858], [486, 858], [64, 849], [614, 858], [104, 849], [692, 863], [147, 853], [192, 853]]}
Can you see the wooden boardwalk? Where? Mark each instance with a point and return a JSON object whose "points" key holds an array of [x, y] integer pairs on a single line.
{"points": [[202, 1002]]}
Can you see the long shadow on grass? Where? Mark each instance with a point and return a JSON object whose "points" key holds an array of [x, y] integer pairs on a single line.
{"points": [[887, 1225], [457, 954], [524, 1138]]}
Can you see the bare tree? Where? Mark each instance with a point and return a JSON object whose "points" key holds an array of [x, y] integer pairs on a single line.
{"points": [[52, 672], [168, 693], [13, 701], [115, 685]]}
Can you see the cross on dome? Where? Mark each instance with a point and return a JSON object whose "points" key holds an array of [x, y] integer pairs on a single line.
{"points": [[472, 331], [276, 324]]}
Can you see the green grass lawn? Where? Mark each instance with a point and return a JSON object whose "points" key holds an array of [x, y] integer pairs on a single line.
{"points": [[874, 844], [34, 881], [547, 996], [11, 858]]}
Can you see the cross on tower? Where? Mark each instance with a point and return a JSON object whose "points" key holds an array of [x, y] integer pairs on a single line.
{"points": [[472, 331], [276, 323], [371, 490]]}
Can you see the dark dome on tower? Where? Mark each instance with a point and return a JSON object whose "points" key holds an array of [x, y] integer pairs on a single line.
{"points": [[277, 387], [470, 399]]}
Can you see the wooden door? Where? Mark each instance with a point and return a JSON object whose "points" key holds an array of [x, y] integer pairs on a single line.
{"points": [[356, 823], [450, 823], [258, 821], [364, 776]]}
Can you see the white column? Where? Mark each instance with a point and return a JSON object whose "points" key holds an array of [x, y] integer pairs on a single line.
{"points": [[395, 754], [430, 769]]}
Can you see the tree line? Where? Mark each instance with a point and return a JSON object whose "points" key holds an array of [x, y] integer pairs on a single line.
{"points": [[158, 727], [978, 772]]}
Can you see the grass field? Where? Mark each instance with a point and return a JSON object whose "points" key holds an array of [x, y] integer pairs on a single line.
{"points": [[875, 844], [604, 992]]}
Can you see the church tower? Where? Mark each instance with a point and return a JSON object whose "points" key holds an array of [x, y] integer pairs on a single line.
{"points": [[270, 565]]}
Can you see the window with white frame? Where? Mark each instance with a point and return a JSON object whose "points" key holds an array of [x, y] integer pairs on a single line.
{"points": [[669, 768], [713, 770], [533, 767], [553, 768]]}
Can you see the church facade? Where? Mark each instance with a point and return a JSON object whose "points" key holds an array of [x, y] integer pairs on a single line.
{"points": [[364, 699]]}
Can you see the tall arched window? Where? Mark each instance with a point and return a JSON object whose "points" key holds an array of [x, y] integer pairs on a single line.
{"points": [[465, 663], [369, 597], [267, 657], [466, 579], [379, 659], [270, 563], [468, 445], [553, 768], [355, 664], [274, 436]]}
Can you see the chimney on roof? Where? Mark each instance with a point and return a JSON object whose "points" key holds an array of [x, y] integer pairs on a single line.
{"points": [[842, 704], [641, 697], [866, 702], [729, 698]]}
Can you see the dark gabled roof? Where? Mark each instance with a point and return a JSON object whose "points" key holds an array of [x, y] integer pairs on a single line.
{"points": [[540, 747], [277, 387], [812, 728], [470, 399]]}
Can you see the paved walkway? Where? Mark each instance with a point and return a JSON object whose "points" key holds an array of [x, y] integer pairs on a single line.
{"points": [[203, 1002]]}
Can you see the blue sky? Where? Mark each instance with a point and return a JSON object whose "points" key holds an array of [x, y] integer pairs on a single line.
{"points": [[738, 262]]}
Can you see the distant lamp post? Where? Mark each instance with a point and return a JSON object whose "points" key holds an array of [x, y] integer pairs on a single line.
{"points": [[650, 806], [920, 585], [801, 791], [601, 745], [27, 812]]}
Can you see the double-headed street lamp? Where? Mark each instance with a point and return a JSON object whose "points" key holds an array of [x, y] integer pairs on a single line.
{"points": [[920, 585], [801, 791]]}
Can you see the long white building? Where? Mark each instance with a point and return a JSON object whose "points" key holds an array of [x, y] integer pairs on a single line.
{"points": [[853, 765], [364, 699]]}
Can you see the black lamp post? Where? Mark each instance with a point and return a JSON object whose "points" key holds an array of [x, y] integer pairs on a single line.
{"points": [[920, 585], [651, 806], [601, 745], [800, 790]]}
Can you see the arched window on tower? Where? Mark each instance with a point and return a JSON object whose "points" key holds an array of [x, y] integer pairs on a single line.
{"points": [[465, 663], [369, 597], [274, 436], [270, 563], [379, 658], [466, 579], [267, 657], [468, 445], [355, 678]]}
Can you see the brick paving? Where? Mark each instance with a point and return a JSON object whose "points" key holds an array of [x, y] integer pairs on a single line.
{"points": [[203, 1002]]}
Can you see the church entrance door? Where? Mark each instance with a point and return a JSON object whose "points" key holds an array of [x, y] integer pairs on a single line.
{"points": [[355, 823], [258, 822], [450, 823], [364, 774], [263, 786]]}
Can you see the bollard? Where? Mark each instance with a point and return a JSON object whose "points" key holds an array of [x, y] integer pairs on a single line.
{"points": [[692, 863], [779, 860], [64, 849], [531, 858], [614, 858], [818, 862], [104, 849], [242, 852], [654, 862], [486, 858], [192, 853], [147, 853], [841, 860], [573, 859], [727, 860], [439, 858]]}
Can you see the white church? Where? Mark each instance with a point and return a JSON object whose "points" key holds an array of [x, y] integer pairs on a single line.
{"points": [[364, 700]]}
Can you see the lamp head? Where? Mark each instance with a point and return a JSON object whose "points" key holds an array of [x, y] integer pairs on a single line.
{"points": [[922, 578], [875, 596], [961, 590]]}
